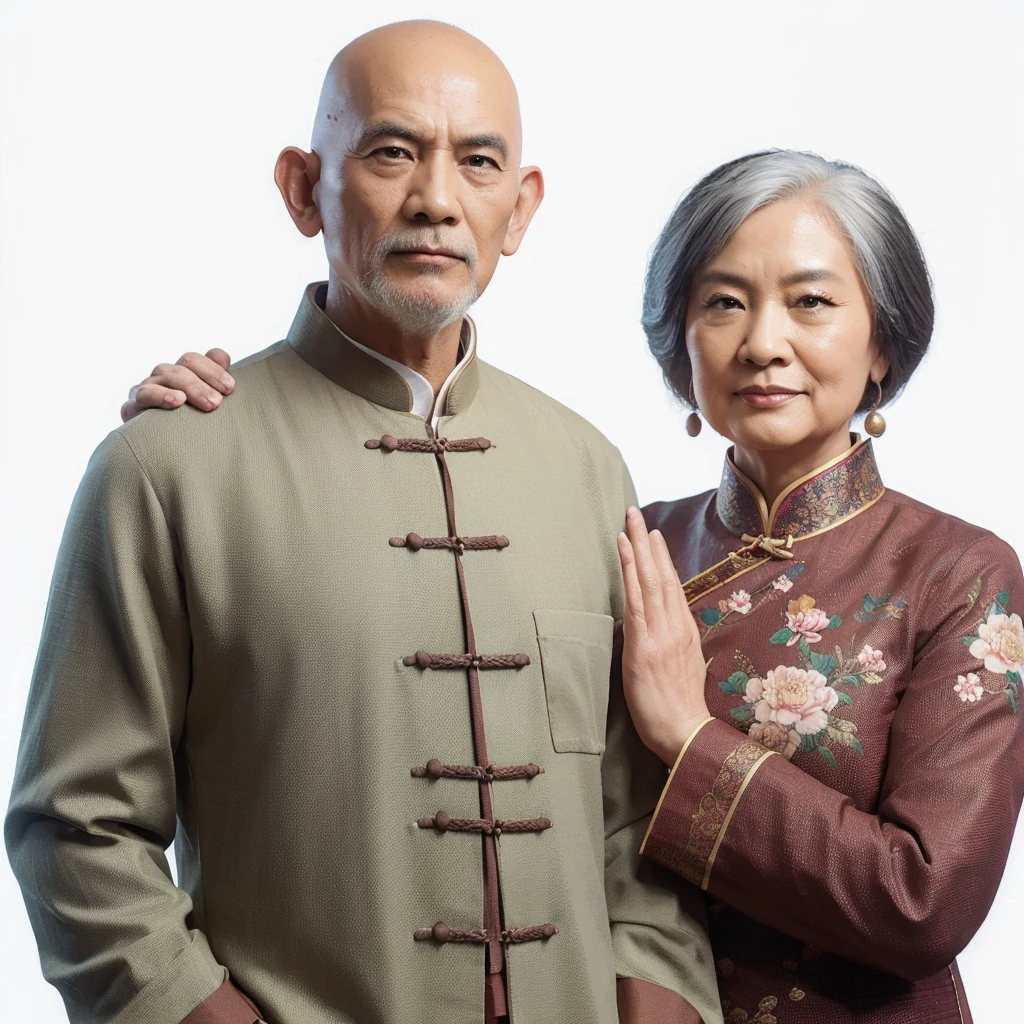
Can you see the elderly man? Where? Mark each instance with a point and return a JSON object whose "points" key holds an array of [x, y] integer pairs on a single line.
{"points": [[348, 641]]}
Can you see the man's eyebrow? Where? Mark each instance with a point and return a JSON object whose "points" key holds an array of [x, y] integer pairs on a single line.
{"points": [[486, 140], [395, 130], [385, 130]]}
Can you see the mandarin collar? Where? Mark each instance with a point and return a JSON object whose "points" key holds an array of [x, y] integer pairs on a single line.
{"points": [[834, 492], [326, 348]]}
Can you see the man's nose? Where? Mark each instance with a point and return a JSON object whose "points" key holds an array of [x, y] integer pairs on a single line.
{"points": [[434, 190], [766, 338]]}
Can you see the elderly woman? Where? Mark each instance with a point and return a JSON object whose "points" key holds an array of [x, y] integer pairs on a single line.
{"points": [[836, 685], [840, 708]]}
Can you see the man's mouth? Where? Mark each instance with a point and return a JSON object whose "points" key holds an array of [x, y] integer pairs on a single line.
{"points": [[430, 255]]}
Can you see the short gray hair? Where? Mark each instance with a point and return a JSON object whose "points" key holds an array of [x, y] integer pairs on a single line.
{"points": [[884, 246]]}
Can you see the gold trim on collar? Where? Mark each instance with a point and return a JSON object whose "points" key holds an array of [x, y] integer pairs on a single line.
{"points": [[819, 500]]}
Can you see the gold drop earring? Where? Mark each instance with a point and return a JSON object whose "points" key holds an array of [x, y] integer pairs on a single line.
{"points": [[693, 421], [874, 422]]}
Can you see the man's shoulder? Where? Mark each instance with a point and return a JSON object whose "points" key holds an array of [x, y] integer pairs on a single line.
{"points": [[160, 437], [552, 412]]}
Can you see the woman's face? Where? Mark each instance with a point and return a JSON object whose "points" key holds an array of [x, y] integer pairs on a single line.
{"points": [[779, 332]]}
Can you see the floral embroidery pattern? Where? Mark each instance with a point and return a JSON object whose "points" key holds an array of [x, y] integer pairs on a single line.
{"points": [[804, 620], [880, 608], [742, 603], [790, 708], [739, 601], [969, 687], [998, 643], [762, 1015]]}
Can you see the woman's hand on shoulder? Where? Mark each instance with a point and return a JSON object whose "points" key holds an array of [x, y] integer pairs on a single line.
{"points": [[663, 668], [201, 381]]}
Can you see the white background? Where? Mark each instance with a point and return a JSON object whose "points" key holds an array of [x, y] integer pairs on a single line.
{"points": [[139, 219]]}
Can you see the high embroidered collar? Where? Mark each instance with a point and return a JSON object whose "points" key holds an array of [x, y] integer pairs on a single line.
{"points": [[823, 499], [321, 344]]}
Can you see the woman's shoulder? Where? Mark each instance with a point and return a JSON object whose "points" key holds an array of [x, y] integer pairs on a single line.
{"points": [[947, 537], [679, 513]]}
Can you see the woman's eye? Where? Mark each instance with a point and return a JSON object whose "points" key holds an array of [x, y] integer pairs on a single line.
{"points": [[724, 302], [812, 301]]}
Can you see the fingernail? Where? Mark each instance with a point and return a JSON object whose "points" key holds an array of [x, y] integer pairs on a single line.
{"points": [[174, 398], [227, 380]]}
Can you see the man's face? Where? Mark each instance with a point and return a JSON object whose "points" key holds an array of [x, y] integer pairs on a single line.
{"points": [[419, 180]]}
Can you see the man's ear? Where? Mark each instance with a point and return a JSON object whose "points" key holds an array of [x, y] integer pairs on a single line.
{"points": [[531, 192], [295, 174]]}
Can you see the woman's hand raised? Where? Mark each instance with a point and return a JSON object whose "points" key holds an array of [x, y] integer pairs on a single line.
{"points": [[663, 667]]}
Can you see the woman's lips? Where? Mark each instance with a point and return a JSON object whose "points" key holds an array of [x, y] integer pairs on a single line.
{"points": [[768, 399]]}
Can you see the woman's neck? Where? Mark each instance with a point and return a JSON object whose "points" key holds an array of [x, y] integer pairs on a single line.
{"points": [[774, 471]]}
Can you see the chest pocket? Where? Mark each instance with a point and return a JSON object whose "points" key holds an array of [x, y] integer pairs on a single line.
{"points": [[576, 656]]}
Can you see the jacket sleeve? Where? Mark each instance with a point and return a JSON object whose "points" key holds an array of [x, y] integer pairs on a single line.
{"points": [[905, 888], [93, 805], [658, 924]]}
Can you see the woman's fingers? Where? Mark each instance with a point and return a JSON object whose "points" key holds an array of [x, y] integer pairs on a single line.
{"points": [[150, 396], [646, 569], [202, 381], [220, 357], [671, 588], [209, 370], [633, 613]]}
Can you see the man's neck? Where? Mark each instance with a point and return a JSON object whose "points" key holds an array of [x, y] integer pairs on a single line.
{"points": [[432, 357]]}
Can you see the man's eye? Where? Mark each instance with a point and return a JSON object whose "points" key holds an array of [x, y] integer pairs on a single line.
{"points": [[479, 160], [393, 152]]}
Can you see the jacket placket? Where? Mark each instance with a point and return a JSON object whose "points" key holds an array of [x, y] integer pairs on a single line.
{"points": [[493, 935]]}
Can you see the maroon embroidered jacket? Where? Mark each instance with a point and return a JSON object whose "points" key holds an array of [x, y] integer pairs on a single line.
{"points": [[849, 807]]}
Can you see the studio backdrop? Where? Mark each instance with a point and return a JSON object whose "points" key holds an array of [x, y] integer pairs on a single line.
{"points": [[139, 220]]}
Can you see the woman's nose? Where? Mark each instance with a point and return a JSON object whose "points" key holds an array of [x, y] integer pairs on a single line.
{"points": [[766, 338]]}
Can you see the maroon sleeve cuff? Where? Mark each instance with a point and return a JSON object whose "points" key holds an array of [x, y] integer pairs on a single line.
{"points": [[643, 1002], [226, 1006], [699, 799]]}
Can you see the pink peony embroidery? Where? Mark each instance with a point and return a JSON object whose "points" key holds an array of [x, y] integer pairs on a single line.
{"points": [[1000, 644], [804, 620], [969, 687], [793, 697], [739, 602], [871, 660], [782, 583]]}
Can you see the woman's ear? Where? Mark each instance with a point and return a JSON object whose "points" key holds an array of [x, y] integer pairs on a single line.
{"points": [[295, 174]]}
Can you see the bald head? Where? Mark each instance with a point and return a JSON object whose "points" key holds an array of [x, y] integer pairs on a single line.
{"points": [[418, 68], [415, 179]]}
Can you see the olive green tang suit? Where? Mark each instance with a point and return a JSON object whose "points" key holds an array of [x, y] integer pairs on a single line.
{"points": [[359, 672]]}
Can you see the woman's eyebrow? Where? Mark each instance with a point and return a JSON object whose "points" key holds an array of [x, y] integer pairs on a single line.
{"points": [[809, 275]]}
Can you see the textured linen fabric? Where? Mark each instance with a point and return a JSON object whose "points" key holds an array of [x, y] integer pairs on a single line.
{"points": [[853, 840], [222, 663]]}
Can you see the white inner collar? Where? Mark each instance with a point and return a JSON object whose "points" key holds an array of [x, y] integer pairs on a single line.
{"points": [[424, 403]]}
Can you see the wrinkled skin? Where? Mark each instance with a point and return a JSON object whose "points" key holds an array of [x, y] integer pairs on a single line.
{"points": [[416, 150]]}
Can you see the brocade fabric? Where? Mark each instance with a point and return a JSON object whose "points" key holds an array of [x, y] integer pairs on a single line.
{"points": [[850, 805]]}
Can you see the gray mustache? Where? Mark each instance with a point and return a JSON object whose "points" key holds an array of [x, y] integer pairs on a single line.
{"points": [[403, 241]]}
